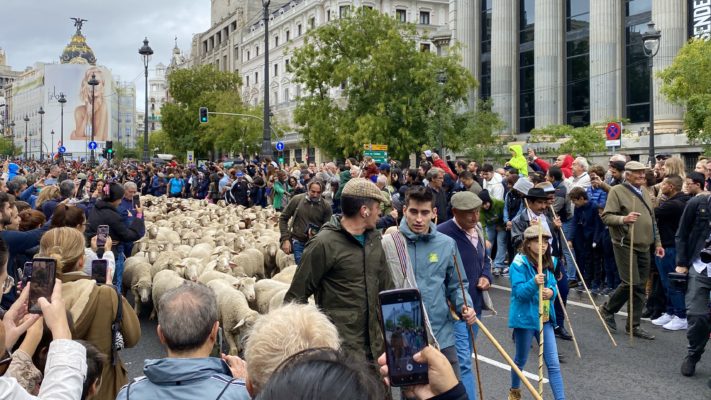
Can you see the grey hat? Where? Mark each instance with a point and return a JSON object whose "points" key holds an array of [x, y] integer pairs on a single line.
{"points": [[466, 201], [523, 185], [360, 187], [635, 166], [532, 232]]}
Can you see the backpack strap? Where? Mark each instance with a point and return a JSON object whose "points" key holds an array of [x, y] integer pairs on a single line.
{"points": [[224, 389], [116, 326]]}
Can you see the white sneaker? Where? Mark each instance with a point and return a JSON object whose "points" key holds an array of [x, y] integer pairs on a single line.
{"points": [[676, 324], [663, 320]]}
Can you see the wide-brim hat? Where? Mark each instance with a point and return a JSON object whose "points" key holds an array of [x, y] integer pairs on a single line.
{"points": [[537, 193]]}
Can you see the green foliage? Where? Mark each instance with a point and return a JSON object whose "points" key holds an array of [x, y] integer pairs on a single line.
{"points": [[389, 91], [687, 82], [581, 141], [122, 152], [161, 141], [7, 148]]}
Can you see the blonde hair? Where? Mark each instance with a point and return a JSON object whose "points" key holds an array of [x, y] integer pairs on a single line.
{"points": [[64, 243], [47, 193], [675, 166], [282, 333]]}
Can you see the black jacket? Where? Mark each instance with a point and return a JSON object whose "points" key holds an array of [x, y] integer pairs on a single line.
{"points": [[694, 229], [442, 203], [105, 213], [668, 214]]}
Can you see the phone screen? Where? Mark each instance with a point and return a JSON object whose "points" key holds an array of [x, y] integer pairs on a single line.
{"points": [[98, 271], [136, 200], [102, 233], [403, 325], [26, 273], [43, 273]]}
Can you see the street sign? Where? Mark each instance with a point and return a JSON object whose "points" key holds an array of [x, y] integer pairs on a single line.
{"points": [[92, 145], [68, 154], [62, 149], [613, 134], [373, 153], [281, 160], [380, 147], [191, 156], [280, 146]]}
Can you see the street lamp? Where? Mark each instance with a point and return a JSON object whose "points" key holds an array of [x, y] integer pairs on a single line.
{"points": [[12, 136], [26, 119], [62, 100], [41, 114], [442, 80], [146, 53], [93, 82], [52, 133], [267, 135], [650, 42]]}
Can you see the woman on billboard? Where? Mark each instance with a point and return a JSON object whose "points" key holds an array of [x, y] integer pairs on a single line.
{"points": [[82, 114]]}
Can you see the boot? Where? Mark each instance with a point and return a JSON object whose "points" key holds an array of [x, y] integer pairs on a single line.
{"points": [[514, 394]]}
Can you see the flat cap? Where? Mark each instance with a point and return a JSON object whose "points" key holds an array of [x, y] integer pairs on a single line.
{"points": [[532, 232], [360, 187], [618, 165], [635, 166], [466, 201]]}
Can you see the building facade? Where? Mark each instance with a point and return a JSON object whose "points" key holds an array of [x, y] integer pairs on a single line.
{"points": [[125, 113], [7, 76], [157, 96]]}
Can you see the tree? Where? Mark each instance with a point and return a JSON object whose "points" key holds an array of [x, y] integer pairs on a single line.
{"points": [[388, 90], [475, 131], [581, 141], [687, 82], [8, 148], [122, 152]]}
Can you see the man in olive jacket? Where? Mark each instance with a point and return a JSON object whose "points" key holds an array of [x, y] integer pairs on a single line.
{"points": [[344, 267], [628, 204]]}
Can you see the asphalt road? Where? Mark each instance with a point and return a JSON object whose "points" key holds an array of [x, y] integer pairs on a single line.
{"points": [[638, 370]]}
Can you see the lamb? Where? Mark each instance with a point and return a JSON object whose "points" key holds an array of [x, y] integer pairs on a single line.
{"points": [[137, 278], [250, 263], [135, 260], [163, 281], [243, 284], [234, 313], [165, 234], [265, 290], [201, 250], [283, 260], [286, 275]]}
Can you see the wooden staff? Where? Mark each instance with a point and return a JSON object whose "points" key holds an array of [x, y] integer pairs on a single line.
{"points": [[540, 310], [631, 304], [570, 324], [496, 344], [592, 301]]}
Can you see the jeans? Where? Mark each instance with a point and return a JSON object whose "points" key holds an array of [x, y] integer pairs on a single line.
{"points": [[523, 338], [464, 354], [572, 273], [118, 274], [563, 289], [297, 248], [675, 298], [498, 238]]}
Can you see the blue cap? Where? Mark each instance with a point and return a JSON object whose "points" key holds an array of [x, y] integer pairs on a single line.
{"points": [[385, 166]]}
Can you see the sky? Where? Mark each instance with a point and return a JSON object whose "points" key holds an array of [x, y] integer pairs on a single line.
{"points": [[38, 30]]}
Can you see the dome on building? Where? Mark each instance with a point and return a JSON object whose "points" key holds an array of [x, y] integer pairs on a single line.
{"points": [[77, 51]]}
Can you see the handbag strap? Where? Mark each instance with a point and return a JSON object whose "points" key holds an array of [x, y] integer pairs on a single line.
{"points": [[116, 325]]}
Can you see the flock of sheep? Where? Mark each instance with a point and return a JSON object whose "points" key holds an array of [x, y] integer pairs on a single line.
{"points": [[232, 249]]}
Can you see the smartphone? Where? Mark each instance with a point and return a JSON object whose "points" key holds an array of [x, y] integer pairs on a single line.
{"points": [[98, 271], [218, 349], [403, 324], [102, 234], [25, 274], [80, 189], [136, 200], [43, 275]]}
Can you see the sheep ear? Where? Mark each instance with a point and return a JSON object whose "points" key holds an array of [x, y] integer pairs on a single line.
{"points": [[236, 327]]}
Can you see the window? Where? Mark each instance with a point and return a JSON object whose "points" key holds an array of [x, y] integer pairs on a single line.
{"points": [[424, 17], [344, 11], [224, 63], [297, 155], [298, 30], [638, 14], [249, 56], [312, 22], [288, 36], [578, 63], [275, 96], [328, 15], [276, 41], [286, 95], [236, 53], [247, 78], [286, 65], [401, 15], [257, 51], [424, 47], [527, 98], [256, 78], [276, 69]]}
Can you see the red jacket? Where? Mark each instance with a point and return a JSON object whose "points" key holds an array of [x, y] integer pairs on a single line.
{"points": [[439, 163]]}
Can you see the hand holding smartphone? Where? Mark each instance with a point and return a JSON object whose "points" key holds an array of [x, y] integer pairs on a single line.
{"points": [[102, 233], [43, 275], [99, 271]]}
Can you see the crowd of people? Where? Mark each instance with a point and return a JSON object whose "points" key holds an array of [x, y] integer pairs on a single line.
{"points": [[446, 228]]}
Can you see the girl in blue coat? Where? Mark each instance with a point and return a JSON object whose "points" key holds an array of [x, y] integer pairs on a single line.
{"points": [[523, 311]]}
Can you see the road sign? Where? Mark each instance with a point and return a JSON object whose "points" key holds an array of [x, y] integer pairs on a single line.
{"points": [[281, 160], [379, 147], [62, 149], [280, 146], [613, 134], [191, 156], [373, 153], [92, 145], [67, 154]]}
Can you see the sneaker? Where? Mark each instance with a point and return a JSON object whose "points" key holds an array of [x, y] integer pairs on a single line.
{"points": [[637, 331], [496, 272], [572, 283], [676, 324], [608, 318], [663, 320], [505, 271], [514, 394], [688, 367], [596, 291]]}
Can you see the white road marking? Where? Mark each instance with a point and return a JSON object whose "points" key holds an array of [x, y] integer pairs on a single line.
{"points": [[508, 368], [575, 303]]}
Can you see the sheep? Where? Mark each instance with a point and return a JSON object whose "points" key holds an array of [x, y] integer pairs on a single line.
{"points": [[163, 281], [166, 261], [190, 268], [277, 299], [244, 284], [234, 313], [184, 250], [135, 260], [269, 250], [137, 278], [264, 290], [221, 263], [201, 250], [283, 260], [286, 275], [250, 263]]}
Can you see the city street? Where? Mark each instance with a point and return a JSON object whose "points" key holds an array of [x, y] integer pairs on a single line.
{"points": [[644, 369]]}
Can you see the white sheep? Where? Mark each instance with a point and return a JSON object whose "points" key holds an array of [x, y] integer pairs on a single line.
{"points": [[250, 262], [163, 281], [244, 284], [234, 313], [137, 278], [283, 260], [265, 290], [286, 275], [201, 250]]}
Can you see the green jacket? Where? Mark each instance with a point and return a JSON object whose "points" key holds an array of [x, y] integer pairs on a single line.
{"points": [[345, 176], [494, 216], [302, 212], [280, 192], [518, 161], [619, 204], [345, 278]]}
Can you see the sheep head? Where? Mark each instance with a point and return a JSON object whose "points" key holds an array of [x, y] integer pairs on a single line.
{"points": [[246, 286], [144, 290]]}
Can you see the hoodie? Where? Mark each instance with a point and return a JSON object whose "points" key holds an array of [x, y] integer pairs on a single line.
{"points": [[12, 169], [518, 161], [567, 166]]}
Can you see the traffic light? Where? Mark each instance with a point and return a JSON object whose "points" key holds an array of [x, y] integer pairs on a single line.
{"points": [[109, 149], [203, 115]]}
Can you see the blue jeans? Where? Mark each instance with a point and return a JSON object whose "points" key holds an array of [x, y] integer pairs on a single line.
{"points": [[675, 298], [297, 248], [523, 338], [563, 289], [464, 354], [118, 274], [572, 273], [498, 238]]}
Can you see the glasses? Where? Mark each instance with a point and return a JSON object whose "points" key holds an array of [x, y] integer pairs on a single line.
{"points": [[8, 284]]}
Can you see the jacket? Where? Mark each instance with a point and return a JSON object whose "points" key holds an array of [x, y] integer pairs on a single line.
{"points": [[518, 161], [495, 186], [523, 309], [105, 213], [523, 221], [303, 212], [64, 377], [19, 243], [185, 378], [694, 229], [494, 216], [345, 278], [93, 309], [441, 199], [474, 260], [280, 194], [441, 164], [567, 166], [619, 204], [431, 255], [344, 177], [585, 223], [668, 215]]}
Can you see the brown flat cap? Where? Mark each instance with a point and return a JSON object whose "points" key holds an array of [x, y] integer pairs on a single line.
{"points": [[635, 166], [466, 201], [359, 187]]}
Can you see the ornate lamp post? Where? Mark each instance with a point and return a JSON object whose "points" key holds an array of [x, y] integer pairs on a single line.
{"points": [[62, 100], [650, 41], [93, 82], [146, 53], [41, 114], [26, 119], [267, 135]]}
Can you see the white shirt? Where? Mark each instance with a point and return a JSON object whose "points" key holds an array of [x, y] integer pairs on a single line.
{"points": [[699, 265], [90, 256], [582, 181], [544, 223]]}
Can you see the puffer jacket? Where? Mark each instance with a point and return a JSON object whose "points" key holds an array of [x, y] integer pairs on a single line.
{"points": [[523, 310], [105, 213], [431, 256], [345, 278], [185, 378]]}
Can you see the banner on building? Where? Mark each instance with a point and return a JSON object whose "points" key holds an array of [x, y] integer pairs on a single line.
{"points": [[699, 19]]}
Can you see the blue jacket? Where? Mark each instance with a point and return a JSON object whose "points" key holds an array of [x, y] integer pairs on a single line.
{"points": [[18, 243], [185, 378], [585, 223], [523, 310], [431, 256], [474, 260]]}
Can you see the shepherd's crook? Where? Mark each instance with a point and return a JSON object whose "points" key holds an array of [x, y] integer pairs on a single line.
{"points": [[540, 310], [631, 304]]}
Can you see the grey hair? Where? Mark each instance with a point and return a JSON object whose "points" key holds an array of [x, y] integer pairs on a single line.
{"points": [[20, 179], [583, 163], [130, 186], [434, 172], [187, 315], [66, 188], [13, 186], [382, 179]]}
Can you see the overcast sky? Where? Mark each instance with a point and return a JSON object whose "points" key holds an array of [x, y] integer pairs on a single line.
{"points": [[38, 30]]}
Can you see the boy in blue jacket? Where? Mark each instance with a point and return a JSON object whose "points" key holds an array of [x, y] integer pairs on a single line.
{"points": [[586, 221]]}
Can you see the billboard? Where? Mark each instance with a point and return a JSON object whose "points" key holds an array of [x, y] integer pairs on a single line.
{"points": [[699, 19], [81, 111]]}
